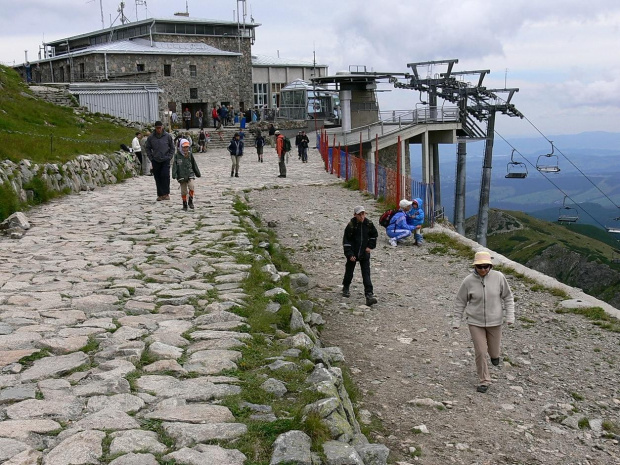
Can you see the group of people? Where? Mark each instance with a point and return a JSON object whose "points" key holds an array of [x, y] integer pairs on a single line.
{"points": [[484, 298], [302, 142]]}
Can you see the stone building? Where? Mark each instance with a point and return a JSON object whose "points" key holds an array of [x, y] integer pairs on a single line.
{"points": [[196, 63]]}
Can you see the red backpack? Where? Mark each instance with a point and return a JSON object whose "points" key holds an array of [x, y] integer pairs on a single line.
{"points": [[385, 219]]}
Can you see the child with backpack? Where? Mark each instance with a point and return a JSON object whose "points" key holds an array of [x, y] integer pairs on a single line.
{"points": [[185, 170]]}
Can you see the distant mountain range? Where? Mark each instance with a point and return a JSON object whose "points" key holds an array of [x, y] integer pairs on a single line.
{"points": [[593, 193]]}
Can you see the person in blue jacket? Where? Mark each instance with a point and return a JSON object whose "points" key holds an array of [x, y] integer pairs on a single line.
{"points": [[399, 229], [415, 217]]}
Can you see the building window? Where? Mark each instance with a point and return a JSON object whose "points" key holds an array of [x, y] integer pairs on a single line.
{"points": [[193, 92], [260, 94], [276, 87], [192, 71], [82, 71], [167, 70], [140, 67]]}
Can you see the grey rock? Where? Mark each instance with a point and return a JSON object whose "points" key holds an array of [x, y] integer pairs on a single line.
{"points": [[292, 447], [165, 351], [297, 320], [373, 454], [135, 459], [105, 387], [80, 449], [54, 366], [210, 362], [194, 389], [124, 402], [107, 419], [299, 282], [193, 413], [275, 291], [273, 307], [134, 440], [300, 341], [187, 434], [275, 387], [27, 457], [17, 393], [339, 453], [21, 429], [68, 409], [282, 365], [10, 448], [204, 454]]}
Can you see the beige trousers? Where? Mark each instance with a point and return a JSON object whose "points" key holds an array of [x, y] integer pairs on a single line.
{"points": [[486, 341], [186, 186]]}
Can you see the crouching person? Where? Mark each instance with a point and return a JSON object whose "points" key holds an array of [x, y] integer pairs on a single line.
{"points": [[185, 170], [360, 237], [399, 229]]}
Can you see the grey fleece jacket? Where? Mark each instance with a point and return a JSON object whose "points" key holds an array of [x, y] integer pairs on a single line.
{"points": [[159, 148], [484, 300]]}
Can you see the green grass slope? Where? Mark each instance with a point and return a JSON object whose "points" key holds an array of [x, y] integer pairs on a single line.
{"points": [[536, 235], [43, 132]]}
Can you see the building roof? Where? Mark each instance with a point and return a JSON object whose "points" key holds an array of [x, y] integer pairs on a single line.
{"points": [[143, 47], [264, 60], [149, 21]]}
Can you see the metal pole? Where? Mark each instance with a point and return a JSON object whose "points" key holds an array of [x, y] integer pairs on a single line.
{"points": [[485, 185], [398, 172], [376, 166], [459, 194]]}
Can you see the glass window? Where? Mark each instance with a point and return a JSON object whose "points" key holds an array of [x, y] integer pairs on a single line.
{"points": [[140, 67], [192, 70], [260, 94], [193, 92], [167, 70]]}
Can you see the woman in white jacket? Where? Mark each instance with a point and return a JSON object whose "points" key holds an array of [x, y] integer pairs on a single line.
{"points": [[483, 297]]}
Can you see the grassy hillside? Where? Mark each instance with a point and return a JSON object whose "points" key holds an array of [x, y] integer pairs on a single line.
{"points": [[42, 132], [522, 244]]}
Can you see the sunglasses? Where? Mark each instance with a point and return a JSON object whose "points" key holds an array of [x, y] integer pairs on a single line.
{"points": [[483, 267]]}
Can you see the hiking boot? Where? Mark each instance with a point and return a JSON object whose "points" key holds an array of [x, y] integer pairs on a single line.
{"points": [[393, 242], [345, 291], [495, 361], [159, 197], [482, 388], [185, 205], [232, 173], [236, 175], [371, 300], [165, 197], [190, 202]]}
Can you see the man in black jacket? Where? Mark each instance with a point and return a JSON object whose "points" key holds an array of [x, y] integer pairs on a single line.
{"points": [[160, 150], [360, 237]]}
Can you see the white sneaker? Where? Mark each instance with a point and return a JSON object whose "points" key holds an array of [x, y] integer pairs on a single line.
{"points": [[393, 242]]}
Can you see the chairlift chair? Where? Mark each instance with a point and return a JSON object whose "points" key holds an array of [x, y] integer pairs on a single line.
{"points": [[515, 169], [567, 214], [614, 229], [550, 166]]}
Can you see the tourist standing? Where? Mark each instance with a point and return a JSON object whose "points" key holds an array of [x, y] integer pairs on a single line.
{"points": [[199, 116], [297, 140], [360, 237], [185, 170], [137, 148], [202, 141], [280, 150], [215, 116], [187, 119], [160, 150], [484, 297], [235, 148]]}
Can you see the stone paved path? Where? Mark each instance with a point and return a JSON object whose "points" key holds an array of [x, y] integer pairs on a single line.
{"points": [[97, 301]]}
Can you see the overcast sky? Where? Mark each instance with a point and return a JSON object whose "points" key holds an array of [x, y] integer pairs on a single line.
{"points": [[563, 55]]}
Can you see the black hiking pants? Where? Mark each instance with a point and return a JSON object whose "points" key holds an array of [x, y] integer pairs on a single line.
{"points": [[365, 268]]}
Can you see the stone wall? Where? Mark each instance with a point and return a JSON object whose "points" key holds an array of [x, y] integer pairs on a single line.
{"points": [[84, 173]]}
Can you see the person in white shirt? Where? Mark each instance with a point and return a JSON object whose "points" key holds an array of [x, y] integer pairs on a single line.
{"points": [[137, 148]]}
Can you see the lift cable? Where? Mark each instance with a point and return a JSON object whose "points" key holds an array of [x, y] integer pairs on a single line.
{"points": [[568, 159], [549, 179]]}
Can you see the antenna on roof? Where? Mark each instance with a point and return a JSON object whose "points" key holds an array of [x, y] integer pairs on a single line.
{"points": [[183, 13], [141, 2]]}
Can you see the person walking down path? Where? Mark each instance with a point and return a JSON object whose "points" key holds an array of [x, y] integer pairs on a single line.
{"points": [[415, 218], [185, 170], [187, 119], [483, 297], [399, 229], [235, 148], [360, 237], [160, 150], [280, 150], [304, 142], [259, 143]]}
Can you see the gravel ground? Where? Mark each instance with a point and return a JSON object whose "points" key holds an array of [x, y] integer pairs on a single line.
{"points": [[558, 370]]}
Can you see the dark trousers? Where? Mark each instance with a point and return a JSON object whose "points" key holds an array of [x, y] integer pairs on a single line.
{"points": [[187, 123], [365, 268], [138, 156], [282, 165], [161, 173]]}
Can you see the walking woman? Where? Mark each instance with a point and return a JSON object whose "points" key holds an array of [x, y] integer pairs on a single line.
{"points": [[484, 296]]}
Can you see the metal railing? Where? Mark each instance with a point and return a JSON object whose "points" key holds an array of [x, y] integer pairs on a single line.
{"points": [[394, 121]]}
